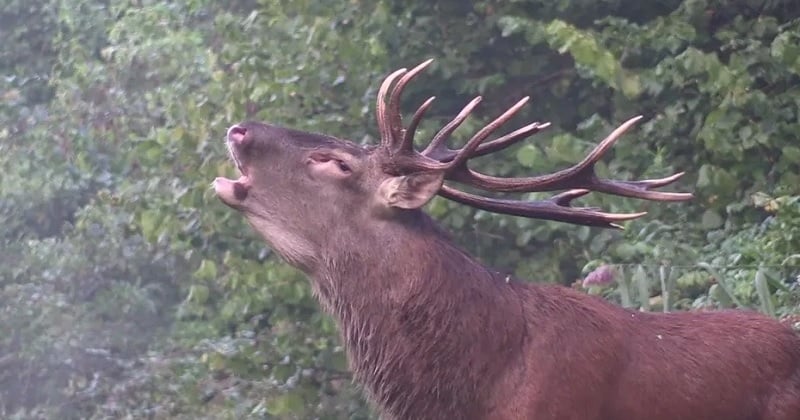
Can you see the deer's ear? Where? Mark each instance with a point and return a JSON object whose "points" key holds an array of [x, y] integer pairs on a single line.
{"points": [[410, 191]]}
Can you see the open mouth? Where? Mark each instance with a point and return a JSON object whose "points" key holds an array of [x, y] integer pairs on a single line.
{"points": [[235, 158], [240, 186], [230, 190], [236, 138]]}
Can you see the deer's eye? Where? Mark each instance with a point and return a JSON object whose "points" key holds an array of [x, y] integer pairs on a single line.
{"points": [[343, 166], [333, 165]]}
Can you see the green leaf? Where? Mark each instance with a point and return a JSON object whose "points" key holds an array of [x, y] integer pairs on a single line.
{"points": [[529, 156], [718, 293], [286, 404], [198, 294], [791, 153], [711, 220], [150, 223], [630, 85], [764, 295], [206, 271]]}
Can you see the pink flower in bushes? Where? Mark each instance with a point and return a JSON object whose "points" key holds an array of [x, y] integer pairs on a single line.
{"points": [[601, 276]]}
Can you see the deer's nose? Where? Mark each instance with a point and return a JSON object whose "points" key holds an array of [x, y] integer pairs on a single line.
{"points": [[238, 135]]}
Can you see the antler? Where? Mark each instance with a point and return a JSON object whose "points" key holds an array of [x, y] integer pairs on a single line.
{"points": [[579, 180]]}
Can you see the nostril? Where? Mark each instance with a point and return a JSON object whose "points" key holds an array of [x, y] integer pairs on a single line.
{"points": [[236, 134]]}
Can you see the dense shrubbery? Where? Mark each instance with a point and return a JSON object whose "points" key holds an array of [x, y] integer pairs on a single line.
{"points": [[126, 289]]}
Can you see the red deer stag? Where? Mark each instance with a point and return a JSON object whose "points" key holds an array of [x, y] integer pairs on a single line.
{"points": [[431, 333]]}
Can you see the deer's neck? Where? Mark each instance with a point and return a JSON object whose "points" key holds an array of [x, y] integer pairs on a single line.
{"points": [[414, 312]]}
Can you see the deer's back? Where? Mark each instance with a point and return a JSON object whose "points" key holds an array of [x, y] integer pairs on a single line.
{"points": [[588, 359]]}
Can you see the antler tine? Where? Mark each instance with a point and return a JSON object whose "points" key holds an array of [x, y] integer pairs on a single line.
{"points": [[408, 136], [385, 121], [396, 120], [397, 139], [498, 144], [581, 175], [549, 182], [640, 189], [606, 144], [660, 182], [437, 145], [509, 139], [555, 208], [466, 152]]}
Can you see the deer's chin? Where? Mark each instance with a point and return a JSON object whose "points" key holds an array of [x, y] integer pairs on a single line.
{"points": [[232, 192]]}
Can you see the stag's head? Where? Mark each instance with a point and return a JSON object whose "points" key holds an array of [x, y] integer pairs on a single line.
{"points": [[300, 190]]}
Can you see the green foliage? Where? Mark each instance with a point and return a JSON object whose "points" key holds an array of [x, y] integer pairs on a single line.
{"points": [[128, 291]]}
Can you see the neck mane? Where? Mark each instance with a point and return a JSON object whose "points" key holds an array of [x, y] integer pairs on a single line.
{"points": [[414, 312]]}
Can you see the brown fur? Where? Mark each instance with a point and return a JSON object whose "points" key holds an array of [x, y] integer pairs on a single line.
{"points": [[433, 334]]}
